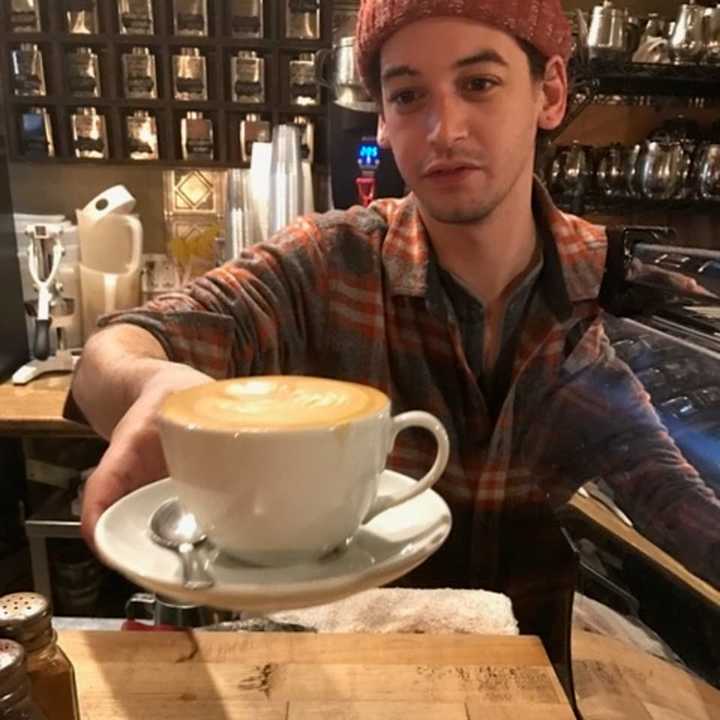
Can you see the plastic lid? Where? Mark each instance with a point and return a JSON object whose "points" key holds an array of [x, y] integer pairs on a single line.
{"points": [[116, 199]]}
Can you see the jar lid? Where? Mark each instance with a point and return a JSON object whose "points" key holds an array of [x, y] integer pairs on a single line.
{"points": [[27, 618]]}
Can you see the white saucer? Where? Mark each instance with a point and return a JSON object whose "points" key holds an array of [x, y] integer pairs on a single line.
{"points": [[388, 547]]}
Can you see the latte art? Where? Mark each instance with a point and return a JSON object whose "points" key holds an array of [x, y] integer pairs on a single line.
{"points": [[273, 403]]}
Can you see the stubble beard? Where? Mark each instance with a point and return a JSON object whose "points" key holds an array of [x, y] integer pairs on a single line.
{"points": [[470, 212]]}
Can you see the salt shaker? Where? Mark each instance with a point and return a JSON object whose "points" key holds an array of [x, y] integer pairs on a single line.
{"points": [[26, 618], [15, 698]]}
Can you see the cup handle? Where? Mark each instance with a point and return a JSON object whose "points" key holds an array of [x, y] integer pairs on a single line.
{"points": [[415, 418]]}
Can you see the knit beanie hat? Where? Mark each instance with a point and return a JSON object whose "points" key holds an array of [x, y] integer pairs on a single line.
{"points": [[542, 23]]}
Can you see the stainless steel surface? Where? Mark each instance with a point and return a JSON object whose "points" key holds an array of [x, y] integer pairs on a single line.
{"points": [[304, 88], [302, 20], [712, 36], [570, 169], [610, 173], [248, 78], [175, 528], [687, 42], [662, 169], [608, 34], [344, 83], [654, 50], [631, 176], [165, 611], [655, 27], [708, 172]]}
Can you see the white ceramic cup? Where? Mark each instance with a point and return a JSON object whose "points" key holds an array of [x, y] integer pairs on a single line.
{"points": [[281, 488]]}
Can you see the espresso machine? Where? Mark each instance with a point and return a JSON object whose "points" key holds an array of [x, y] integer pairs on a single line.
{"points": [[664, 322], [361, 170]]}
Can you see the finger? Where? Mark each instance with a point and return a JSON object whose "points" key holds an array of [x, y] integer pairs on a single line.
{"points": [[123, 468]]}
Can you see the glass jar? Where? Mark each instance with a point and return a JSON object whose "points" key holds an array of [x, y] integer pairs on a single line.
{"points": [[26, 618], [15, 698]]}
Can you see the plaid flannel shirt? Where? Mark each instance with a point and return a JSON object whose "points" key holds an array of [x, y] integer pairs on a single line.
{"points": [[355, 295]]}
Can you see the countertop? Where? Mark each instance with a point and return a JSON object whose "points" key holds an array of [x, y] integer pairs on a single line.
{"points": [[297, 676], [36, 408]]}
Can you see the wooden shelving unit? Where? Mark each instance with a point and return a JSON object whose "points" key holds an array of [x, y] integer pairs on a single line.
{"points": [[218, 47]]}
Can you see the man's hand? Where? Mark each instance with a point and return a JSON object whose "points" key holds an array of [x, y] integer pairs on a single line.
{"points": [[134, 457]]}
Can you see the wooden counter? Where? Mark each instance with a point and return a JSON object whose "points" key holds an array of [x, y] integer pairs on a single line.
{"points": [[36, 408], [275, 676], [609, 523]]}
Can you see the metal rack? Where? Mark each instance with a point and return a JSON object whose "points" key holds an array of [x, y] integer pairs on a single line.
{"points": [[602, 82], [109, 44]]}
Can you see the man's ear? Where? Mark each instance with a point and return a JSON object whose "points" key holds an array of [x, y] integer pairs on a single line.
{"points": [[382, 137], [554, 90]]}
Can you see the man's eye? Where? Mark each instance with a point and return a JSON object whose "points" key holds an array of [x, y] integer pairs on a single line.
{"points": [[479, 84], [404, 97]]}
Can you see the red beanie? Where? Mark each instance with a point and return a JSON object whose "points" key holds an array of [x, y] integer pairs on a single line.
{"points": [[542, 23]]}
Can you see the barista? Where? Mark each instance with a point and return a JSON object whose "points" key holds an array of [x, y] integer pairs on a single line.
{"points": [[473, 298]]}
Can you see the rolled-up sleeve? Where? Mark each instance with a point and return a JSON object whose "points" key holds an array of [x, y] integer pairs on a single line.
{"points": [[263, 312], [600, 423]]}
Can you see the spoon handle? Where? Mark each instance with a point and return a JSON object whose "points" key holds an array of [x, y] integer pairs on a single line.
{"points": [[195, 577]]}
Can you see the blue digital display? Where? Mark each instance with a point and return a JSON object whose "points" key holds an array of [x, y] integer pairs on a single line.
{"points": [[368, 155]]}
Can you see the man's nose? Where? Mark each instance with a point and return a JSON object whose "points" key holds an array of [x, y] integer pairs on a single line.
{"points": [[447, 122]]}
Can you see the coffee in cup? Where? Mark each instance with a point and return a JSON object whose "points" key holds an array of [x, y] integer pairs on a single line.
{"points": [[280, 470]]}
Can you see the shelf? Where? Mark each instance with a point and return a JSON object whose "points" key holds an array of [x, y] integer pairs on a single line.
{"points": [[54, 519], [647, 79], [218, 47], [623, 206]]}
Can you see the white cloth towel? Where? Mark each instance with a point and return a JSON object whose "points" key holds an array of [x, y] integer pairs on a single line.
{"points": [[407, 610]]}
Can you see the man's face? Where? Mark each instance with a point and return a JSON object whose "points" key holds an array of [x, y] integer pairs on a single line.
{"points": [[460, 113]]}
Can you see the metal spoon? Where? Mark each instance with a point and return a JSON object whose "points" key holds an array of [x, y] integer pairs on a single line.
{"points": [[174, 527]]}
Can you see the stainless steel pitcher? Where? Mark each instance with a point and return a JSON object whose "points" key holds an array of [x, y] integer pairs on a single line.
{"points": [[688, 40], [345, 83], [708, 172], [712, 36], [608, 35], [610, 173], [662, 170]]}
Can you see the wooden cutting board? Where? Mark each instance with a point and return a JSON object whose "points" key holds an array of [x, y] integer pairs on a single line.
{"points": [[277, 676], [614, 682], [274, 676]]}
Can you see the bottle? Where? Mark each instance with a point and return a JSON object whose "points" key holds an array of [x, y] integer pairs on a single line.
{"points": [[83, 73], [246, 18], [190, 75], [139, 74], [89, 134], [303, 80], [142, 136], [24, 16], [190, 17], [135, 17], [82, 21], [28, 71], [307, 138], [26, 618], [248, 78], [15, 696], [36, 135], [302, 19], [197, 137], [253, 129]]}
